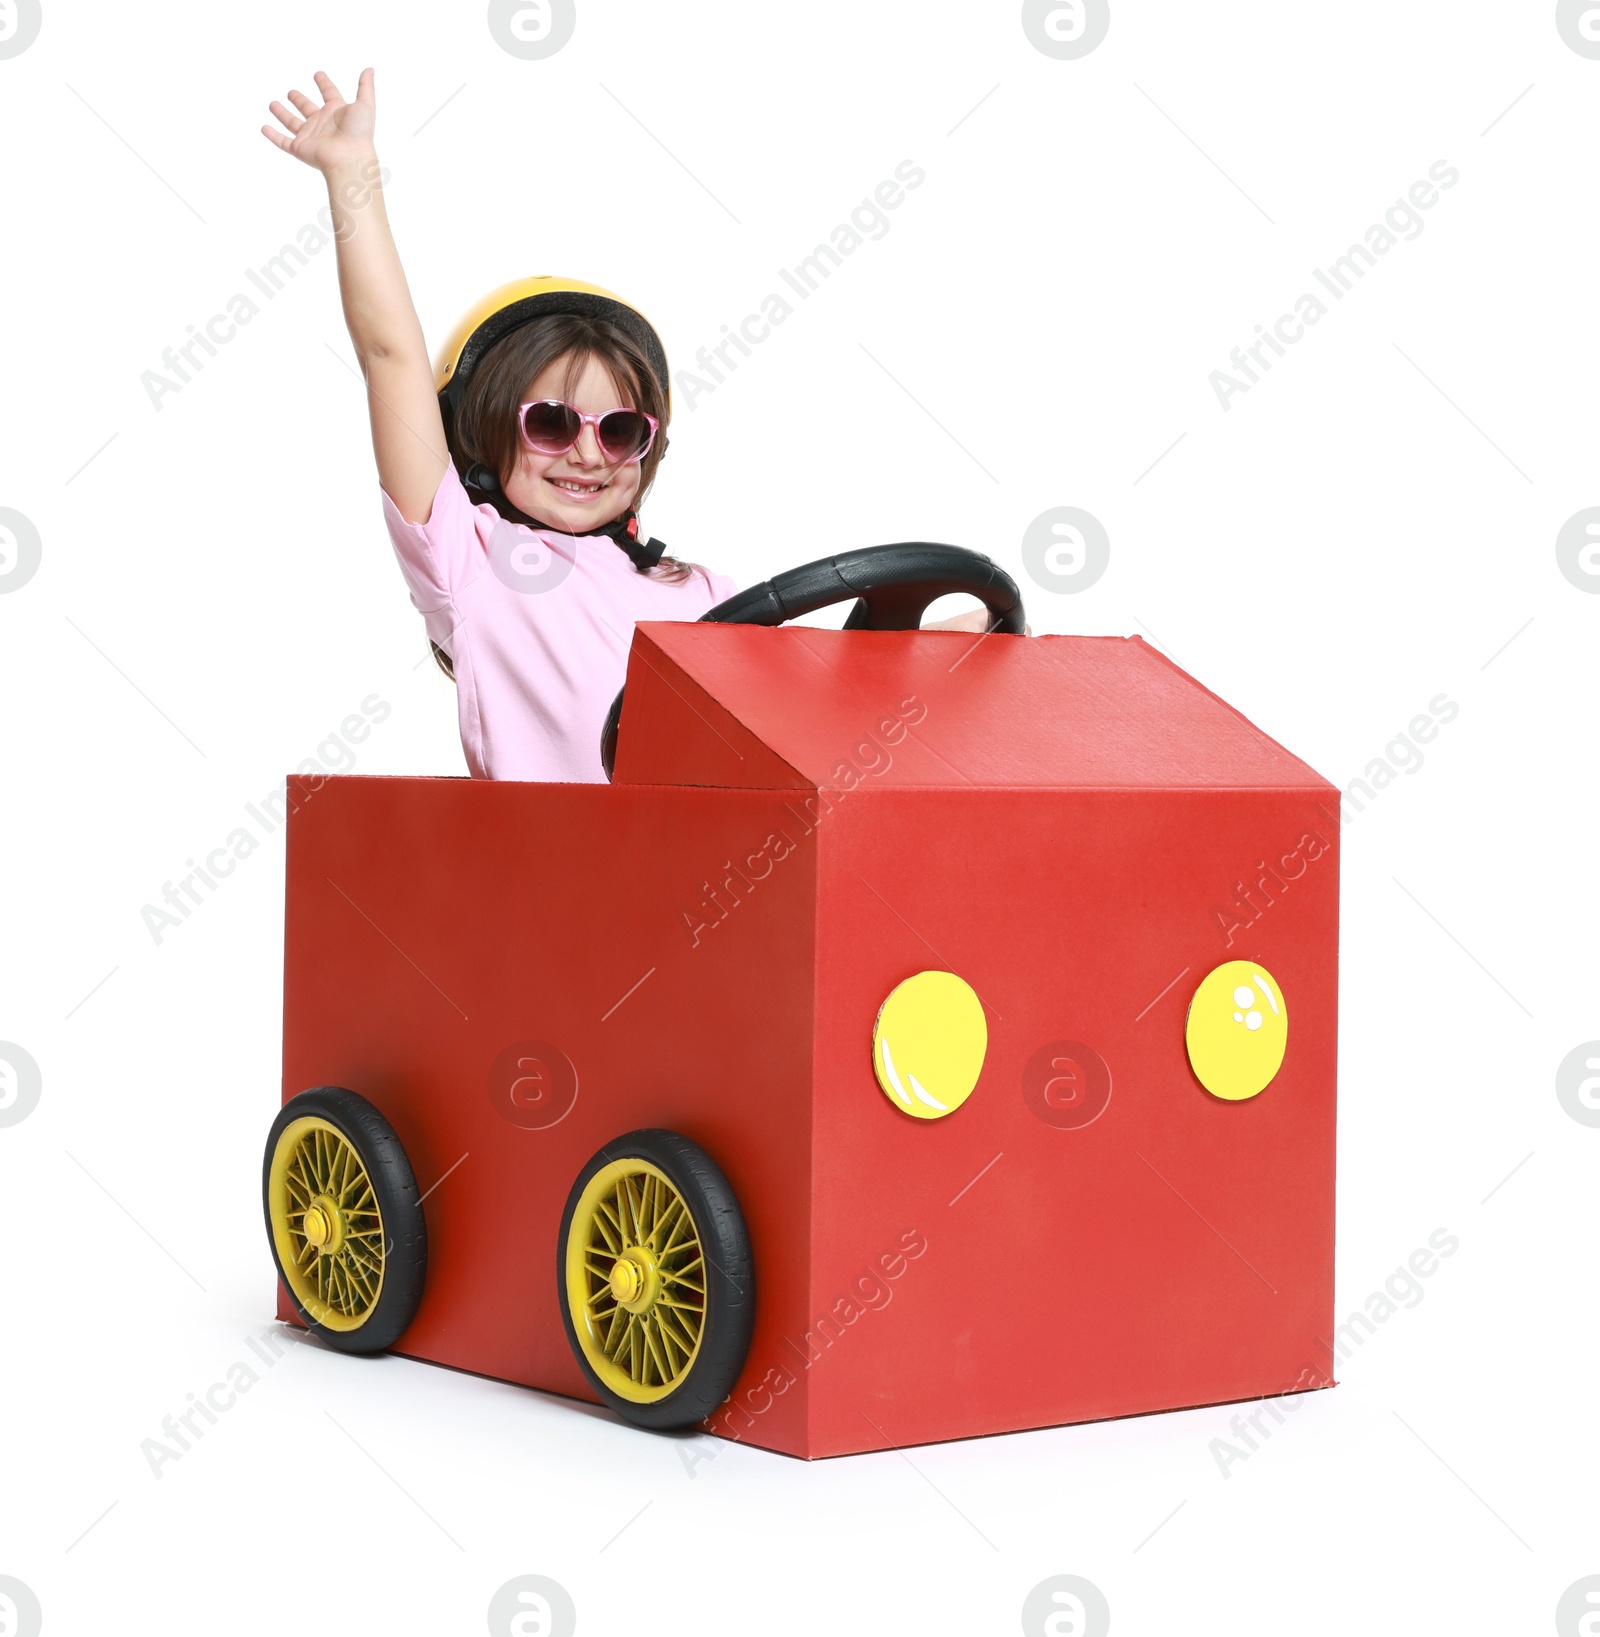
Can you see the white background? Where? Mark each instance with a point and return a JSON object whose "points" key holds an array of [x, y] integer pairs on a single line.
{"points": [[1372, 525]]}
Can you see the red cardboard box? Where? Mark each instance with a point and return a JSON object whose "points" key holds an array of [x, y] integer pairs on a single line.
{"points": [[803, 819]]}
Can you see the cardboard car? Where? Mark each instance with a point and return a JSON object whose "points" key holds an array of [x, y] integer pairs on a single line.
{"points": [[923, 1035]]}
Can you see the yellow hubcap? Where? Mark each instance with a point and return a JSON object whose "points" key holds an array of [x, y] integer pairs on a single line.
{"points": [[636, 1280], [326, 1224]]}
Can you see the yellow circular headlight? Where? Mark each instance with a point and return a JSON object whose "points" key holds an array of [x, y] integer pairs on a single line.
{"points": [[928, 1044], [1237, 1031]]}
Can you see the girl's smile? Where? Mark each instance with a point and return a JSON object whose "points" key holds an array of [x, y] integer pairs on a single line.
{"points": [[580, 491]]}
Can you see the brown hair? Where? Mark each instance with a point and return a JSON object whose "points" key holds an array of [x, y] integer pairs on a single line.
{"points": [[485, 429]]}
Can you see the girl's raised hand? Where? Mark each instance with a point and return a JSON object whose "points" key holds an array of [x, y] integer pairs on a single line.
{"points": [[330, 134]]}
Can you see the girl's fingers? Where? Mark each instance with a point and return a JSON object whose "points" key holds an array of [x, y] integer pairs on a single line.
{"points": [[294, 123]]}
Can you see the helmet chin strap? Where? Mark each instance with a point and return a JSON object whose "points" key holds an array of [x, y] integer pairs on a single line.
{"points": [[624, 531]]}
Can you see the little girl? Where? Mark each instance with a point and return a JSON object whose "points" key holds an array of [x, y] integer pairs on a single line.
{"points": [[511, 480]]}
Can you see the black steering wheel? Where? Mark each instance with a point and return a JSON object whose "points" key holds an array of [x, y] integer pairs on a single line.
{"points": [[892, 585]]}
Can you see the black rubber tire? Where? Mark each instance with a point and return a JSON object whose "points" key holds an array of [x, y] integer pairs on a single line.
{"points": [[730, 1279], [405, 1268]]}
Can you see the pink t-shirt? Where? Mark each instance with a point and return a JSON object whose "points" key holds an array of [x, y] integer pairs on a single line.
{"points": [[537, 625]]}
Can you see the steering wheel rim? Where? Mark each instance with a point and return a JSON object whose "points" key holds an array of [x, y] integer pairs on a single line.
{"points": [[892, 587]]}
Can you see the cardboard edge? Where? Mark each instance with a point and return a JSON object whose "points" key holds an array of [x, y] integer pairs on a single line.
{"points": [[679, 680], [1233, 710]]}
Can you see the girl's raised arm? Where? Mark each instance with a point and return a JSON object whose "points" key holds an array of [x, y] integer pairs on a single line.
{"points": [[336, 138]]}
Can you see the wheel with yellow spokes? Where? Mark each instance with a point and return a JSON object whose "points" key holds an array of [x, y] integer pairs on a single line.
{"points": [[655, 1280], [344, 1220]]}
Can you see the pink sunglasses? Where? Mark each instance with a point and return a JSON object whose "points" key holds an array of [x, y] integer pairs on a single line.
{"points": [[551, 427]]}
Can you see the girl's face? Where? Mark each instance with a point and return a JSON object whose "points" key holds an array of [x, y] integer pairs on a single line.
{"points": [[580, 490]]}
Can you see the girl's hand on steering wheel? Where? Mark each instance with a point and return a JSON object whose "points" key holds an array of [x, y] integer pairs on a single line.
{"points": [[329, 135]]}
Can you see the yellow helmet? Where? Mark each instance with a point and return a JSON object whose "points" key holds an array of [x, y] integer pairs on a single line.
{"points": [[513, 305]]}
